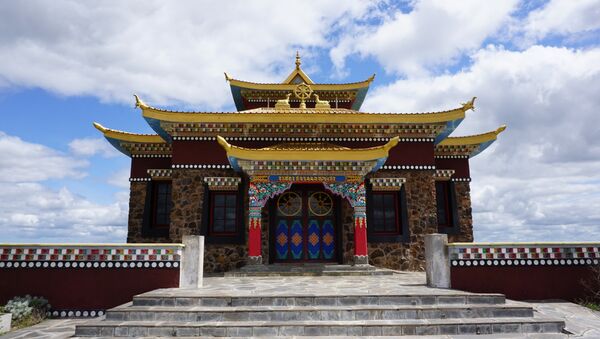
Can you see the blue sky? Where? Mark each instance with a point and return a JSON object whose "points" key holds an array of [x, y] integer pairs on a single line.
{"points": [[534, 65]]}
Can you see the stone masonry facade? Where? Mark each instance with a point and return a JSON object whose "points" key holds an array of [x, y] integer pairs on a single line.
{"points": [[189, 192]]}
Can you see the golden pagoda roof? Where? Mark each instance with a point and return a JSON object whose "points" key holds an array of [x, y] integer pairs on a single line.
{"points": [[473, 139], [308, 152], [132, 144], [303, 115], [467, 146], [129, 137]]}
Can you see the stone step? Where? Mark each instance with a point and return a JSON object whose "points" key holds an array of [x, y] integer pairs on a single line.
{"points": [[295, 313], [321, 328], [181, 299]]}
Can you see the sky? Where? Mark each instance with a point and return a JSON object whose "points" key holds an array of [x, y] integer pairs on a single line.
{"points": [[534, 65]]}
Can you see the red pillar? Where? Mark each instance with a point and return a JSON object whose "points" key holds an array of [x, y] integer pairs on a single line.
{"points": [[254, 235], [360, 235]]}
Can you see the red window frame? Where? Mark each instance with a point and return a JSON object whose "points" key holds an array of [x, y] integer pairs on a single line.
{"points": [[211, 230], [155, 202], [397, 223]]}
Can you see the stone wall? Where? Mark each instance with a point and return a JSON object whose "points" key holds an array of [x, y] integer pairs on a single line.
{"points": [[422, 219], [186, 218], [465, 217], [137, 201]]}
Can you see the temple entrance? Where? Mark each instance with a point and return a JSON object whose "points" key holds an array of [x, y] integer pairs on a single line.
{"points": [[303, 226]]}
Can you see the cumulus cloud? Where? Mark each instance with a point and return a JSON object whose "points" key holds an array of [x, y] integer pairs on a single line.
{"points": [[562, 17], [25, 161], [88, 147], [32, 211], [433, 33], [168, 52], [540, 179], [41, 214]]}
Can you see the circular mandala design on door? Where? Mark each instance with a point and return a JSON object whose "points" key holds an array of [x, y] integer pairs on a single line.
{"points": [[320, 204], [289, 204]]}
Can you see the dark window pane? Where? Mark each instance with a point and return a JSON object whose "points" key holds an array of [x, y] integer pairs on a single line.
{"points": [[218, 225], [219, 213], [231, 200], [161, 204], [441, 190], [230, 226], [219, 199], [230, 214], [224, 213]]}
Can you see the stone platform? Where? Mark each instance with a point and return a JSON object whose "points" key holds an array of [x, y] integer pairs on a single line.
{"points": [[366, 305], [308, 270]]}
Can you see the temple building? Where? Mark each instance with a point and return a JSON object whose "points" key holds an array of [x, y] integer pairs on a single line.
{"points": [[299, 174]]}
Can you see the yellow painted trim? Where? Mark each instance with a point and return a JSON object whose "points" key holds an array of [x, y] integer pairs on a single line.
{"points": [[129, 137], [290, 87], [270, 154], [300, 72], [517, 244], [304, 116], [95, 245], [472, 139]]}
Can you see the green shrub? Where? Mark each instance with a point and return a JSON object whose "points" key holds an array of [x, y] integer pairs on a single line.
{"points": [[27, 307]]}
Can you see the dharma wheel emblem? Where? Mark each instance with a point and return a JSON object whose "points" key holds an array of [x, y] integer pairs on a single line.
{"points": [[289, 204], [303, 92], [320, 204]]}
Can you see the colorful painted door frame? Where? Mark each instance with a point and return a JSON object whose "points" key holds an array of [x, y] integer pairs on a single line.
{"points": [[261, 190]]}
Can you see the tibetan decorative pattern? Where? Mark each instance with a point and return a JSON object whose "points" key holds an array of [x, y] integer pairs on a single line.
{"points": [[160, 173], [282, 240], [328, 240], [443, 174], [260, 192], [314, 239], [222, 183], [296, 240], [90, 256], [307, 168], [387, 184], [354, 192], [524, 254]]}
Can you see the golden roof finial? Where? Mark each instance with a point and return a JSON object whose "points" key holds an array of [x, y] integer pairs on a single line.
{"points": [[298, 62]]}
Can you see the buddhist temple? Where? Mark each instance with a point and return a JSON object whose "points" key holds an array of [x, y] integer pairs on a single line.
{"points": [[300, 174]]}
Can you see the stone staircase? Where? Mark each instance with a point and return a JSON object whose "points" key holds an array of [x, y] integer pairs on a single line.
{"points": [[266, 312]]}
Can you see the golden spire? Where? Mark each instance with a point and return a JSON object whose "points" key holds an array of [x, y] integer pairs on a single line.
{"points": [[298, 62]]}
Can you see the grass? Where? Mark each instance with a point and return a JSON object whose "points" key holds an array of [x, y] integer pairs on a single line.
{"points": [[591, 305]]}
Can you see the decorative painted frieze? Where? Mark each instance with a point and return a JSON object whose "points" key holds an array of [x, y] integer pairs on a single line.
{"points": [[158, 174], [299, 139], [387, 184], [90, 256], [193, 166], [443, 174], [461, 179], [223, 183], [409, 167], [524, 254]]}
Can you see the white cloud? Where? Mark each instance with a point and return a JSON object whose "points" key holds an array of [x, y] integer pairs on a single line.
{"points": [[168, 52], [540, 180], [563, 17], [32, 211], [434, 33], [120, 178], [41, 214], [24, 161], [88, 147]]}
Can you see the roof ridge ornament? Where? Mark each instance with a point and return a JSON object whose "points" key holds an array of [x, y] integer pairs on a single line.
{"points": [[298, 61], [283, 104], [303, 92], [321, 104], [469, 105], [139, 103]]}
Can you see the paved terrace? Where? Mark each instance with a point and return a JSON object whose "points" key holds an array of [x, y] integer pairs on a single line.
{"points": [[582, 322]]}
